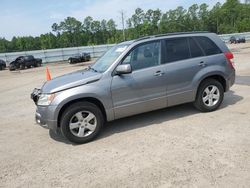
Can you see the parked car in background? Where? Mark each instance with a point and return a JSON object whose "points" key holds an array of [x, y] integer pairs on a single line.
{"points": [[2, 64], [23, 62], [237, 39], [77, 58], [134, 77]]}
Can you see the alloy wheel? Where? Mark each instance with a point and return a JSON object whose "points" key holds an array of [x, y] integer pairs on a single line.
{"points": [[82, 124], [211, 95]]}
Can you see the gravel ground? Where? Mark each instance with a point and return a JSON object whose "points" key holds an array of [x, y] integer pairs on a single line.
{"points": [[173, 147]]}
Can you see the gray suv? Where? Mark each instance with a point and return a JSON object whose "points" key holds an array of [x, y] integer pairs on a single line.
{"points": [[137, 76]]}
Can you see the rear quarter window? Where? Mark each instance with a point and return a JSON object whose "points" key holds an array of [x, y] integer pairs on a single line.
{"points": [[208, 46]]}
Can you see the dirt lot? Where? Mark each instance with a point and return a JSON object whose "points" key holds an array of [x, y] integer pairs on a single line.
{"points": [[174, 147]]}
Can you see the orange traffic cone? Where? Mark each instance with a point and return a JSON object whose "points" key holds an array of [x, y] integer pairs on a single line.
{"points": [[48, 77]]}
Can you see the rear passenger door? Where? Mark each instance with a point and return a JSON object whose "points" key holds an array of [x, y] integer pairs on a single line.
{"points": [[183, 59]]}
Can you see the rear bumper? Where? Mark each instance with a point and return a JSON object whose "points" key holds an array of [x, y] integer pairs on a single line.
{"points": [[230, 80]]}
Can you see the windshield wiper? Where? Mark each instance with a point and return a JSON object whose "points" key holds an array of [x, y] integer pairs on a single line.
{"points": [[90, 68]]}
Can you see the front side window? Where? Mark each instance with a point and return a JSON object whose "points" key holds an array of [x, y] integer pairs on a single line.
{"points": [[144, 56], [176, 49]]}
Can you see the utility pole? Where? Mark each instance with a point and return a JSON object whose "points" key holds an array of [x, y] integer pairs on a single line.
{"points": [[217, 25], [123, 24]]}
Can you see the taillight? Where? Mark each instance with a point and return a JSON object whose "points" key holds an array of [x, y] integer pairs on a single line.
{"points": [[230, 58]]}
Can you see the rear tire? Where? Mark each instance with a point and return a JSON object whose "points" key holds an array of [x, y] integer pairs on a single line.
{"points": [[209, 96], [81, 122]]}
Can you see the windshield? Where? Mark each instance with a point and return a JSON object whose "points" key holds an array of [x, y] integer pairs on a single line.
{"points": [[104, 62]]}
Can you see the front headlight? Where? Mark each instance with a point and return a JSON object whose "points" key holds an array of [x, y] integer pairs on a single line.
{"points": [[45, 99]]}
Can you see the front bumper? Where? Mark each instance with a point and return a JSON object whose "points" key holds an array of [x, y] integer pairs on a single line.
{"points": [[44, 117]]}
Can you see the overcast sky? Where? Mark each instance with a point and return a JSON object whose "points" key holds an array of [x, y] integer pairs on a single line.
{"points": [[35, 17]]}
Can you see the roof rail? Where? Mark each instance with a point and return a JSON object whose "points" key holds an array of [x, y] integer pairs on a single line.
{"points": [[169, 34]]}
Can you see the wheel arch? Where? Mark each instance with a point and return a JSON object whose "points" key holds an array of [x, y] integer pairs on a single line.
{"points": [[93, 100], [217, 77]]}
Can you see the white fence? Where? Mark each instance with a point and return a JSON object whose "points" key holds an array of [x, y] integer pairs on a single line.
{"points": [[62, 54], [226, 37], [59, 54]]}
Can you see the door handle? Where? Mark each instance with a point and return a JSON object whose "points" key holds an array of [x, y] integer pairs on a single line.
{"points": [[158, 73], [202, 64]]}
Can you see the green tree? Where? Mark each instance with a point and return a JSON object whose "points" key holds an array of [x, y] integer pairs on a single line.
{"points": [[111, 28], [87, 22], [232, 16], [48, 41], [203, 15], [215, 18]]}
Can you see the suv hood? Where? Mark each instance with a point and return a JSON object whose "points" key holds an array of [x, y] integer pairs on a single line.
{"points": [[70, 80]]}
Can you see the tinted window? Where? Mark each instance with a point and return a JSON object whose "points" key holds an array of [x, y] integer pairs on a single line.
{"points": [[195, 49], [21, 58], [143, 56], [208, 46], [177, 49], [28, 57]]}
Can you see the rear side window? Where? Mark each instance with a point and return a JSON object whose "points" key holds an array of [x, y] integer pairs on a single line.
{"points": [[208, 46], [195, 49], [176, 49]]}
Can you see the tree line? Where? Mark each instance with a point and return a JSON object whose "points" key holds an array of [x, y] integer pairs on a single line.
{"points": [[230, 17]]}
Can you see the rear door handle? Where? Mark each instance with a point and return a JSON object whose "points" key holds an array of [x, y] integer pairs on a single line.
{"points": [[158, 73], [202, 64]]}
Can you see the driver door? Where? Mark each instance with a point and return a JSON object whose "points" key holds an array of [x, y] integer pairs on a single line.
{"points": [[144, 89]]}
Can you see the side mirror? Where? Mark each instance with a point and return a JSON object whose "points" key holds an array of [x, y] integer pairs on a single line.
{"points": [[123, 69]]}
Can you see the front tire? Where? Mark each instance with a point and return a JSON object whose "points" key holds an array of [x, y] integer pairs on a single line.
{"points": [[12, 68], [22, 67], [81, 122], [209, 95]]}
